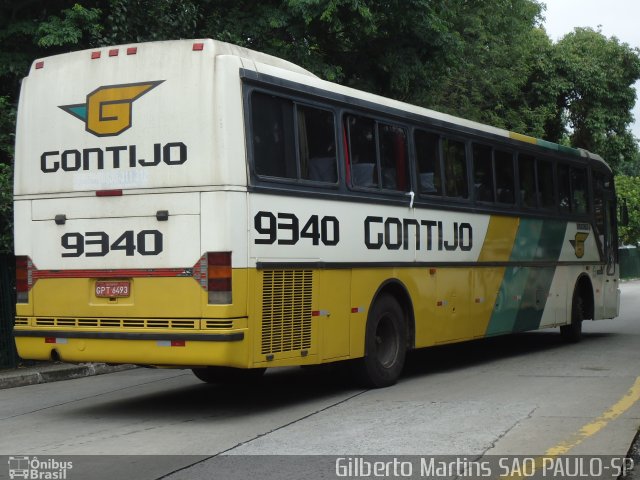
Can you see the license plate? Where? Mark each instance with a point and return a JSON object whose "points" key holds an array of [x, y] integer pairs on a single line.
{"points": [[113, 289]]}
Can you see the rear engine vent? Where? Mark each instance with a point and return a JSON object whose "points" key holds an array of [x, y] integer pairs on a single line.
{"points": [[124, 323], [218, 324], [286, 310]]}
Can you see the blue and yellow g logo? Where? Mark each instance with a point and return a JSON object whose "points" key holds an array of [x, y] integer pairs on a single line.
{"points": [[108, 109]]}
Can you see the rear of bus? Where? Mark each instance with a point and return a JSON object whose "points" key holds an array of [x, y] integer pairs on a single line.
{"points": [[130, 207]]}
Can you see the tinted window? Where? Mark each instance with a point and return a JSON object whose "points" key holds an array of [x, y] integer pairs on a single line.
{"points": [[362, 151], [505, 178], [275, 139], [545, 184], [428, 157], [394, 171], [564, 188], [377, 154], [273, 143], [579, 190], [455, 168], [317, 145], [527, 170], [483, 173]]}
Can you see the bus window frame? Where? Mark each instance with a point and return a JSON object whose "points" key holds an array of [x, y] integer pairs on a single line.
{"points": [[342, 105], [297, 100], [378, 120]]}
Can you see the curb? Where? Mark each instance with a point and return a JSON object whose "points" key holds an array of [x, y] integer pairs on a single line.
{"points": [[55, 373]]}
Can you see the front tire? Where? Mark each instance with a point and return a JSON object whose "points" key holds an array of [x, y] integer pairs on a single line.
{"points": [[229, 375], [385, 345], [572, 333]]}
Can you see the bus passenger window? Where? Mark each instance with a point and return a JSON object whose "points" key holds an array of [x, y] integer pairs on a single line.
{"points": [[393, 157], [579, 193], [428, 157], [527, 168], [273, 140], [483, 173], [564, 189], [455, 168], [362, 151], [505, 180], [317, 145], [545, 184]]}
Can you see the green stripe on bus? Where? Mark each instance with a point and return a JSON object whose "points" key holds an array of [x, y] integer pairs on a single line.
{"points": [[524, 290], [571, 151], [549, 145]]}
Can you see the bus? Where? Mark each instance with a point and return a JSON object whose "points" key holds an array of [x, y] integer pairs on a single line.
{"points": [[194, 204]]}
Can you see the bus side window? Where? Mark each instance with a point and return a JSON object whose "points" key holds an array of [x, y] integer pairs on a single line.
{"points": [[393, 157], [455, 168], [579, 192], [527, 169], [362, 150], [564, 188], [317, 145], [505, 178], [428, 159], [273, 143], [598, 204], [545, 184], [483, 173]]}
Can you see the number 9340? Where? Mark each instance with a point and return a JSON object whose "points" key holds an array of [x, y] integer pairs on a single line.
{"points": [[98, 244]]}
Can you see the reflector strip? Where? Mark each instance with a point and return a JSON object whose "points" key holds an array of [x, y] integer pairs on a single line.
{"points": [[95, 55], [39, 65], [108, 193], [171, 343], [113, 53], [197, 47], [132, 50], [320, 313], [116, 273], [357, 310], [56, 340]]}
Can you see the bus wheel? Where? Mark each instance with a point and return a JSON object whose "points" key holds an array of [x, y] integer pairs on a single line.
{"points": [[385, 345], [229, 375], [573, 332]]}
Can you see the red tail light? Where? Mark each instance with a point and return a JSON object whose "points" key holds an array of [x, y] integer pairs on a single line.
{"points": [[219, 277], [213, 273], [24, 278]]}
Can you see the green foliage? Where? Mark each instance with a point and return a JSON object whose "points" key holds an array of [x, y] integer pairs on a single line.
{"points": [[132, 21], [7, 127], [628, 190], [6, 208], [501, 74], [598, 93], [486, 61], [70, 27]]}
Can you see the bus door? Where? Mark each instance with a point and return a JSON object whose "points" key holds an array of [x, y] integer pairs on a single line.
{"points": [[605, 209]]}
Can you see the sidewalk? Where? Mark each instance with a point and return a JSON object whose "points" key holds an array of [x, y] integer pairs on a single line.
{"points": [[43, 372]]}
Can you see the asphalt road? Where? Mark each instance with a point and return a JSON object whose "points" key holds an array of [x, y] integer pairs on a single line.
{"points": [[526, 394]]}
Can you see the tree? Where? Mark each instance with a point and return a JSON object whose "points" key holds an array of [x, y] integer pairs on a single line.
{"points": [[502, 73], [628, 190], [598, 93]]}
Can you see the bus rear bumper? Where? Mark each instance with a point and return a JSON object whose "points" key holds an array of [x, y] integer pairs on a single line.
{"points": [[230, 348]]}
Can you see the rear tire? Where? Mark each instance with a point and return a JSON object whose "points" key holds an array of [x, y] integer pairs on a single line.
{"points": [[385, 345], [572, 333], [229, 375]]}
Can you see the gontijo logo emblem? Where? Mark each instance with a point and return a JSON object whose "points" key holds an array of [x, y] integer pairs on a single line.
{"points": [[108, 110]]}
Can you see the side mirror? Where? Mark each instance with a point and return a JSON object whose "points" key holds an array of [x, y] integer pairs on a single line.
{"points": [[624, 214]]}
